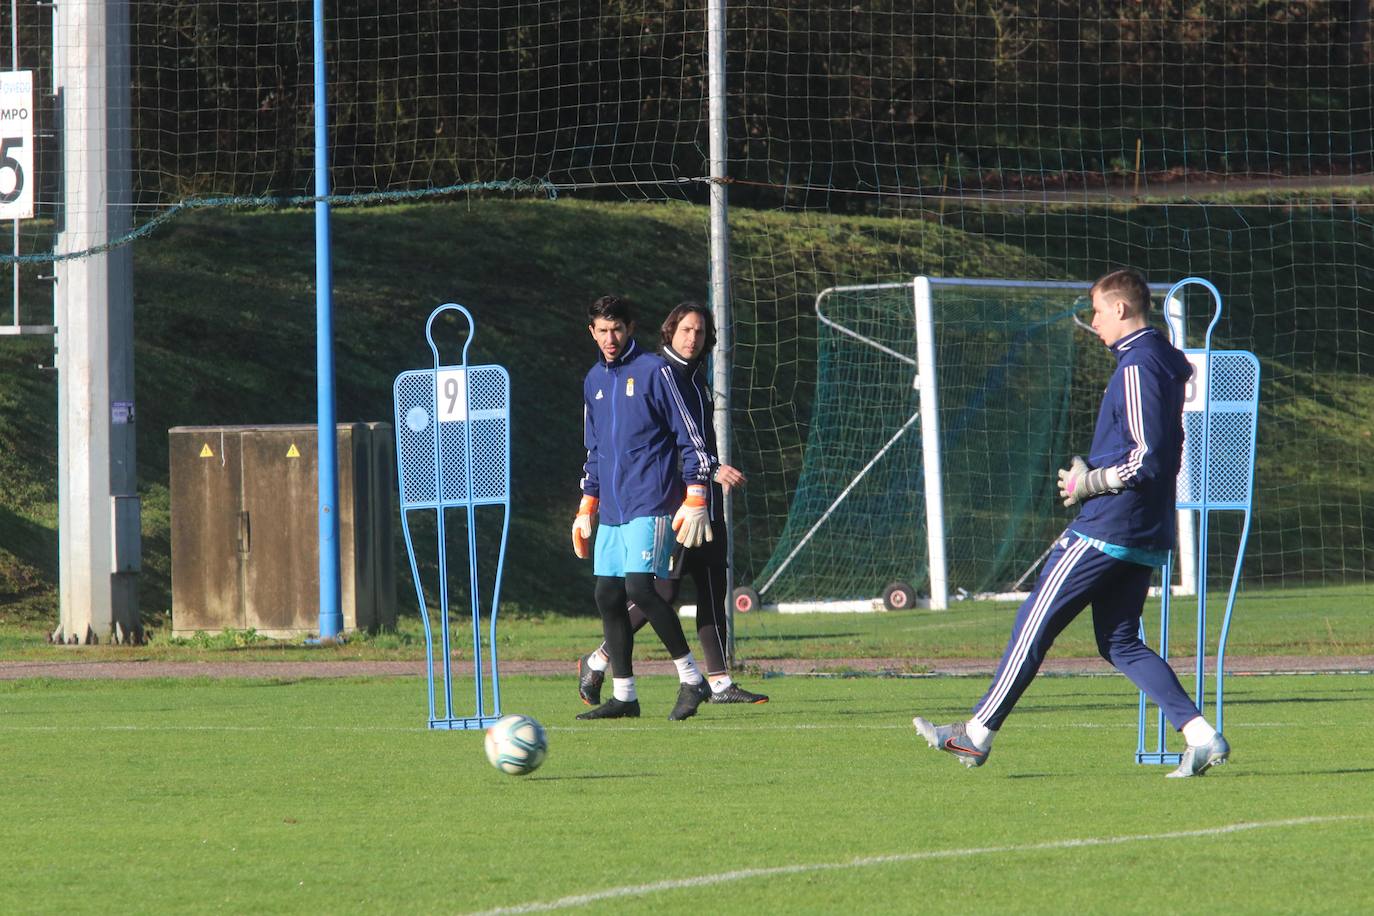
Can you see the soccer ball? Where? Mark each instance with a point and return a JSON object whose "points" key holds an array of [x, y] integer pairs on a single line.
{"points": [[517, 745]]}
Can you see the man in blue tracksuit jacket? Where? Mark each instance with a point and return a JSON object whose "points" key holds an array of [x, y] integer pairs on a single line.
{"points": [[643, 448], [1124, 530]]}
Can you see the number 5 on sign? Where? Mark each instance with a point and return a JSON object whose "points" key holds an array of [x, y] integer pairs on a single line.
{"points": [[453, 394], [16, 144]]}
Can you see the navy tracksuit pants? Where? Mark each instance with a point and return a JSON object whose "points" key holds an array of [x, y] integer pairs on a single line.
{"points": [[1076, 575]]}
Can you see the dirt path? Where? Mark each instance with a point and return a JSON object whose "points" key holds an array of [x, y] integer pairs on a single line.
{"points": [[296, 670], [1166, 187]]}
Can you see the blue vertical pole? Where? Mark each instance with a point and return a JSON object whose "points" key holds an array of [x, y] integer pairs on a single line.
{"points": [[331, 612]]}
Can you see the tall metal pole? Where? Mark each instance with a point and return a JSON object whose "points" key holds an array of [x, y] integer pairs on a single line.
{"points": [[722, 359], [331, 610], [98, 508]]}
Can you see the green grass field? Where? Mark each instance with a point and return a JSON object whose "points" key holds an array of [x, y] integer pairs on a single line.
{"points": [[331, 797]]}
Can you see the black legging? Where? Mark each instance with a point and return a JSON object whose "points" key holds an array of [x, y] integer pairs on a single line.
{"points": [[711, 621], [613, 594]]}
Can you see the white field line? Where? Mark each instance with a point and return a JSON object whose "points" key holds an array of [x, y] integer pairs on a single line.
{"points": [[699, 727], [745, 874], [905, 725], [208, 728]]}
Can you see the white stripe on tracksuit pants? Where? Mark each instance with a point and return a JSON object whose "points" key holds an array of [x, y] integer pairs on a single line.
{"points": [[1075, 575]]}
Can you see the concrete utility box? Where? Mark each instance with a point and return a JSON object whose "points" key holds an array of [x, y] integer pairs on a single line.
{"points": [[245, 530]]}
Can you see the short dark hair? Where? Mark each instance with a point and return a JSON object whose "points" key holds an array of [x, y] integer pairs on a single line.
{"points": [[611, 308], [681, 311], [1130, 284]]}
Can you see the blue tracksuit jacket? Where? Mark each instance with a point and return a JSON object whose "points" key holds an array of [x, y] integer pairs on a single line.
{"points": [[1140, 433], [700, 408], [637, 430]]}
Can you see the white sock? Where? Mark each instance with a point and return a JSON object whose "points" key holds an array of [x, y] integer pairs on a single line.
{"points": [[979, 734], [687, 671], [1196, 731], [623, 689], [599, 660], [719, 682]]}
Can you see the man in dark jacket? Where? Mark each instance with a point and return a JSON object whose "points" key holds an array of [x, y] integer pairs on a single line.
{"points": [[642, 451], [1124, 530]]}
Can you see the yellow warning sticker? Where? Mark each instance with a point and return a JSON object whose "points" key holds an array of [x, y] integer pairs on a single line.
{"points": [[293, 452], [205, 451]]}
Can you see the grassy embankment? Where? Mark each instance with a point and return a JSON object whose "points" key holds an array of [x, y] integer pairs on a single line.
{"points": [[225, 335]]}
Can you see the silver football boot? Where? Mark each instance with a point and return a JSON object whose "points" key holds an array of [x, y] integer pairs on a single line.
{"points": [[1198, 759], [952, 739]]}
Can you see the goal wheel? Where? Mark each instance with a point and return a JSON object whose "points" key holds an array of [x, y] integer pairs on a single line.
{"points": [[898, 596], [746, 600]]}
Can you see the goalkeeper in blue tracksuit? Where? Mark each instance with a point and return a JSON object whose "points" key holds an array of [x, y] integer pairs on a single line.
{"points": [[1124, 530], [643, 450]]}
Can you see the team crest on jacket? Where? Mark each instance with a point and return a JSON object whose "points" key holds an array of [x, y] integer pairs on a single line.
{"points": [[630, 387]]}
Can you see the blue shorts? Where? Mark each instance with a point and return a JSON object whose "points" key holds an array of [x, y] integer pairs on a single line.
{"points": [[641, 545]]}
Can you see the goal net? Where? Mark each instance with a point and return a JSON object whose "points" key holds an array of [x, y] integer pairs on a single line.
{"points": [[951, 489]]}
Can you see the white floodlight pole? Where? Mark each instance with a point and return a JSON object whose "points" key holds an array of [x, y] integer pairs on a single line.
{"points": [[98, 508], [722, 359], [1186, 555], [930, 443]]}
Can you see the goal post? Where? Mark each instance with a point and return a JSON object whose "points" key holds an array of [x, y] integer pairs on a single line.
{"points": [[929, 402], [942, 408]]}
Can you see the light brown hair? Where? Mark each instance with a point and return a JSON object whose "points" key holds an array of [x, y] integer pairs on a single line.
{"points": [[1130, 285]]}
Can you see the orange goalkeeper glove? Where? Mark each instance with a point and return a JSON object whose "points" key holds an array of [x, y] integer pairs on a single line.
{"points": [[582, 527], [692, 522]]}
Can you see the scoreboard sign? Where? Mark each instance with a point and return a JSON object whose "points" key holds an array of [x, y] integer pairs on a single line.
{"points": [[16, 144]]}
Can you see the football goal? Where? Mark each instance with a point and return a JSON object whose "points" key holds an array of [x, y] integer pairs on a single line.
{"points": [[942, 409]]}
